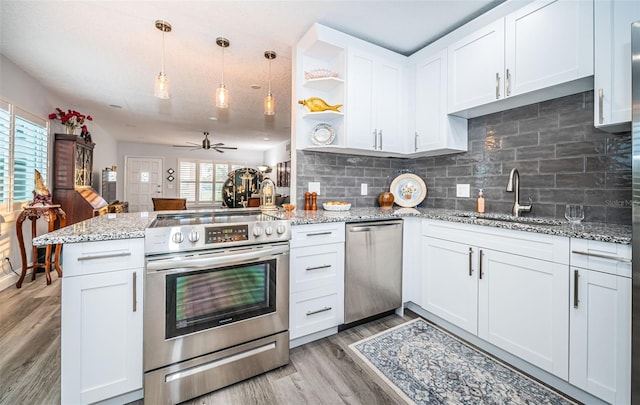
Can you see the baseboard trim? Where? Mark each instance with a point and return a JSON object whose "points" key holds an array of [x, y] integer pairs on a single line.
{"points": [[8, 280]]}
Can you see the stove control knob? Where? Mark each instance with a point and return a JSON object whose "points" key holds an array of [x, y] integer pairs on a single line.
{"points": [[268, 230], [194, 236], [281, 229], [177, 237], [257, 231]]}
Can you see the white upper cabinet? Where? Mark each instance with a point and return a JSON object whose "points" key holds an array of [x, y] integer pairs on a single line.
{"points": [[543, 50], [434, 132], [476, 65], [612, 80], [375, 96]]}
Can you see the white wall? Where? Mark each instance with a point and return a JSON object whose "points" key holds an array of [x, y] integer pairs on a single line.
{"points": [[275, 155]]}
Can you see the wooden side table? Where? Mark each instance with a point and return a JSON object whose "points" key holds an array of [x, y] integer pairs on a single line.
{"points": [[33, 213]]}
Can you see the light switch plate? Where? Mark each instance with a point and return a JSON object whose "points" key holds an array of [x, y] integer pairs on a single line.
{"points": [[314, 186], [363, 189], [463, 190]]}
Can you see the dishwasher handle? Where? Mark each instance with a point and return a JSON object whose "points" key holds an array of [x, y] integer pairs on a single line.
{"points": [[373, 227]]}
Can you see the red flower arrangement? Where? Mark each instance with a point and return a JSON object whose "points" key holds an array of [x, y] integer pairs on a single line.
{"points": [[71, 119]]}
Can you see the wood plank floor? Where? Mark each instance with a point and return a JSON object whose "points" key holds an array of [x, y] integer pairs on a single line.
{"points": [[321, 372]]}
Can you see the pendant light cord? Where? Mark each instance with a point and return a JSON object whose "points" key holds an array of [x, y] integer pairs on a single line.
{"points": [[163, 51], [269, 76]]}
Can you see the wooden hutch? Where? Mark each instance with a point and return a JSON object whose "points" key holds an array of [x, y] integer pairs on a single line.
{"points": [[72, 178]]}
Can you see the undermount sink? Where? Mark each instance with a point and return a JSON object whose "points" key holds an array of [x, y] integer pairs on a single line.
{"points": [[517, 220]]}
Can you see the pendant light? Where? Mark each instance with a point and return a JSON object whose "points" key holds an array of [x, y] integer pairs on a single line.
{"points": [[162, 82], [222, 95], [269, 101]]}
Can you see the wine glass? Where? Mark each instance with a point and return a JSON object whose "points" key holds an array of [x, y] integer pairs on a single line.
{"points": [[574, 213]]}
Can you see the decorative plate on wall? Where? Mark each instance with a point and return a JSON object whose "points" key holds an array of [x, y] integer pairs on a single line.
{"points": [[408, 190]]}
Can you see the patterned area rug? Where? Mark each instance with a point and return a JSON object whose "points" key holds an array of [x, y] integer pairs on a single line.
{"points": [[426, 365]]}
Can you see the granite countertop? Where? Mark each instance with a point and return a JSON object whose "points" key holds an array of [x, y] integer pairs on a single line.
{"points": [[132, 225]]}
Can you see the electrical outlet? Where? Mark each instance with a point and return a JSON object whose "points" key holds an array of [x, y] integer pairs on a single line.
{"points": [[314, 187], [463, 190], [363, 189]]}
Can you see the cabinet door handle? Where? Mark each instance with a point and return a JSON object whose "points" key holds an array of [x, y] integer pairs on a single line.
{"points": [[104, 256], [319, 233], [326, 266], [380, 135], [508, 85], [481, 256], [375, 140], [325, 309], [600, 106], [470, 261], [416, 138], [497, 86], [135, 293], [576, 275], [601, 256]]}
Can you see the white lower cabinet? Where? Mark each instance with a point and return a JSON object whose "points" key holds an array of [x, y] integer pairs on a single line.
{"points": [[316, 301], [502, 286], [102, 302], [600, 311]]}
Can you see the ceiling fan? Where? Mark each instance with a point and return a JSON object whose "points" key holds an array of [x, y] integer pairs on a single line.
{"points": [[206, 144]]}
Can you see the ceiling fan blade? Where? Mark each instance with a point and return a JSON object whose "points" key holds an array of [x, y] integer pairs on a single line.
{"points": [[218, 150], [225, 147], [191, 145]]}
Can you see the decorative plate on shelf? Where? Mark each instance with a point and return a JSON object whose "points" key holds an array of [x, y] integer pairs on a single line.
{"points": [[336, 206], [319, 74], [408, 190], [323, 134]]}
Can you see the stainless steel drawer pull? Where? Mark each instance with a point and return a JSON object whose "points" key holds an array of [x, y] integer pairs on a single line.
{"points": [[380, 135], [135, 292], [576, 275], [415, 142], [375, 139], [470, 261], [326, 266], [601, 256], [508, 86], [104, 256], [600, 106], [325, 309], [481, 255], [319, 233], [497, 86]]}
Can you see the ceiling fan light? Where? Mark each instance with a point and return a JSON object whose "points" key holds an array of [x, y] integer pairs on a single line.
{"points": [[222, 97], [269, 105], [162, 86]]}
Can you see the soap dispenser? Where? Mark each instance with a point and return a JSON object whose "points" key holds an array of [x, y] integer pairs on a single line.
{"points": [[480, 202]]}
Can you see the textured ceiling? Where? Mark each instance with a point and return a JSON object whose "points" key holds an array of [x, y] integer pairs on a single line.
{"points": [[100, 53]]}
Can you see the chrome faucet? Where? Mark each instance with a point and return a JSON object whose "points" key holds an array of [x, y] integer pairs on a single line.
{"points": [[513, 186]]}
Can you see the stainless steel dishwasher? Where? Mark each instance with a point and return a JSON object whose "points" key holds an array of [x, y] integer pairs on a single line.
{"points": [[373, 269]]}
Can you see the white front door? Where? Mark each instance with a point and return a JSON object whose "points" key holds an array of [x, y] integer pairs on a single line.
{"points": [[143, 180]]}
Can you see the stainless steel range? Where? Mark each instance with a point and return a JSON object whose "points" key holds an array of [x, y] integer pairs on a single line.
{"points": [[216, 301]]}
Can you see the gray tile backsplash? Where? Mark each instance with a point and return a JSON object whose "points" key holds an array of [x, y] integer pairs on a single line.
{"points": [[560, 156]]}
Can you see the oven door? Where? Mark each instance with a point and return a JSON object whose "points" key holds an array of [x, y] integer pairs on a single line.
{"points": [[200, 302]]}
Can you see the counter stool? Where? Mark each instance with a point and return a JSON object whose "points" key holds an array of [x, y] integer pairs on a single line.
{"points": [[52, 212]]}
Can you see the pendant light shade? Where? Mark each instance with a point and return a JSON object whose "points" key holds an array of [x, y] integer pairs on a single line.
{"points": [[222, 94], [161, 89], [269, 101]]}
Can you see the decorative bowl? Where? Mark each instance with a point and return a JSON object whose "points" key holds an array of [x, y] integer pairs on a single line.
{"points": [[289, 207], [319, 74], [336, 206]]}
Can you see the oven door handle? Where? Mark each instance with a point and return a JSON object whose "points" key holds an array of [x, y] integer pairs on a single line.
{"points": [[225, 258]]}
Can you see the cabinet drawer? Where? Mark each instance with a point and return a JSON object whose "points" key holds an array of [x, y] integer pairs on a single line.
{"points": [[103, 256], [607, 257], [316, 266], [314, 310], [317, 234]]}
